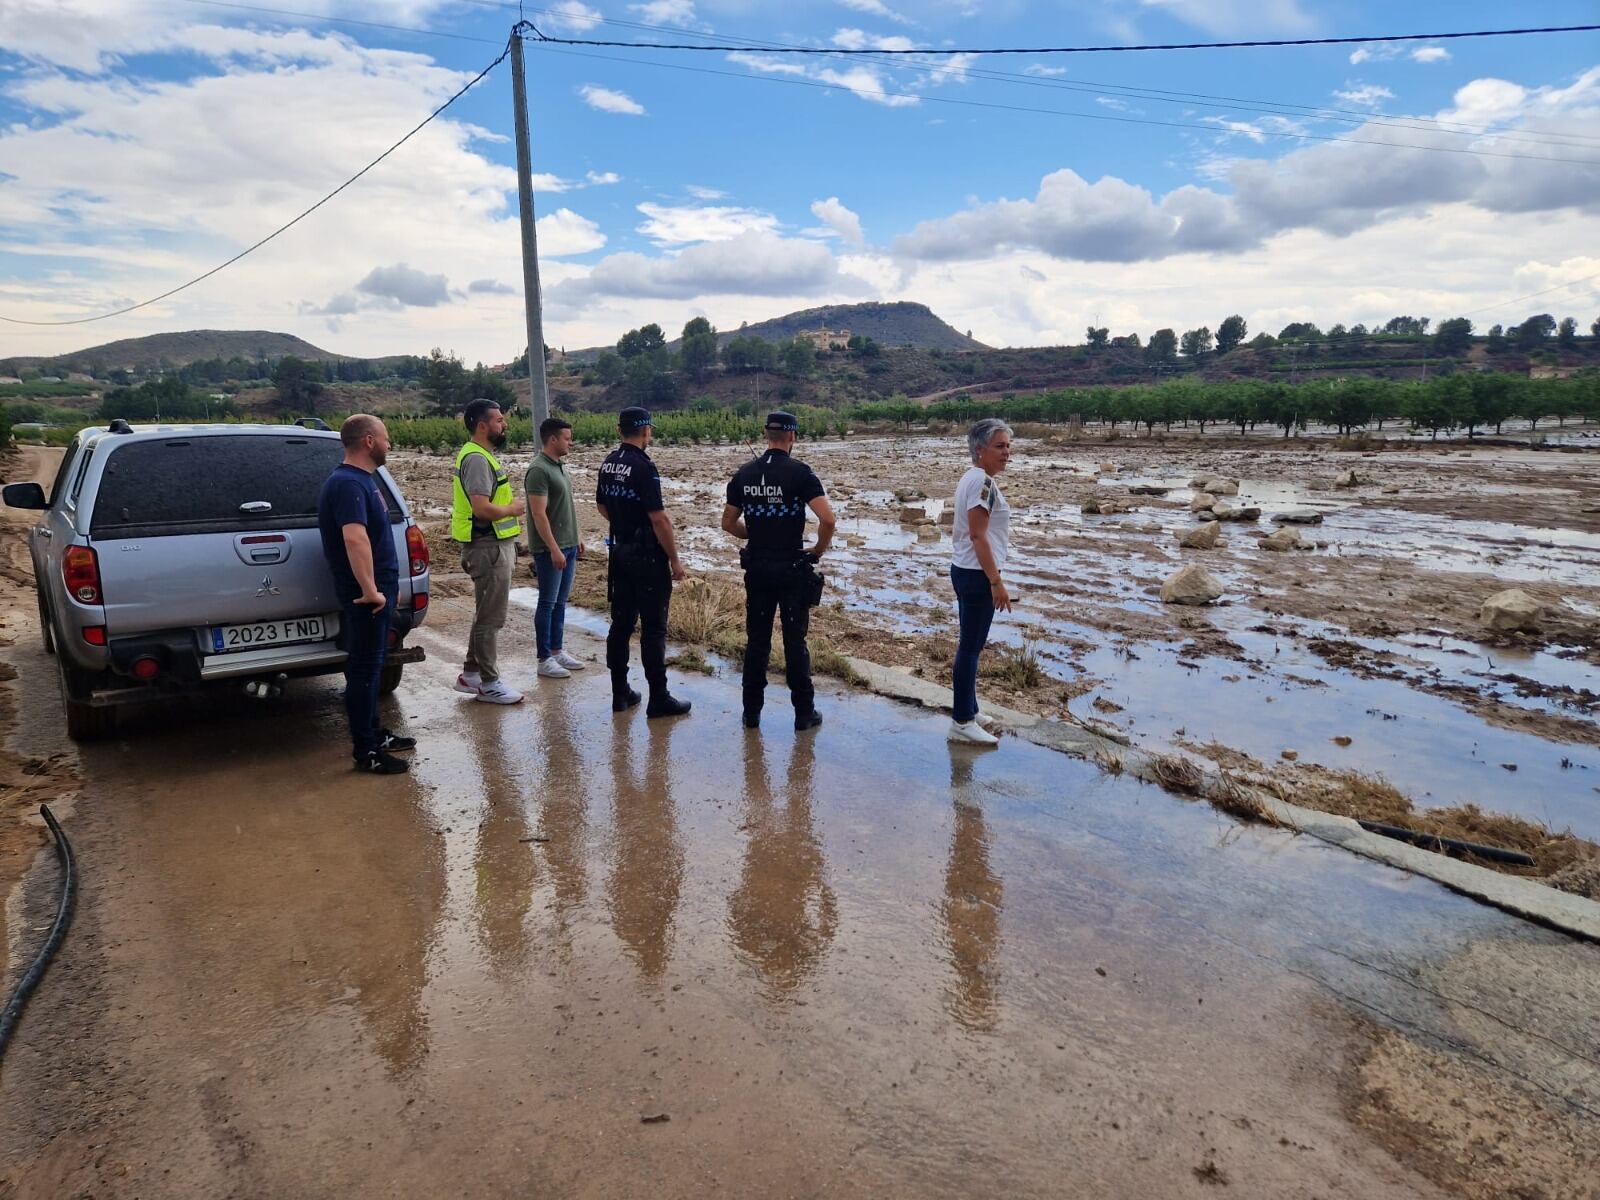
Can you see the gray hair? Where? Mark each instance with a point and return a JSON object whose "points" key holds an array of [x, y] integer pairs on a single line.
{"points": [[981, 434]]}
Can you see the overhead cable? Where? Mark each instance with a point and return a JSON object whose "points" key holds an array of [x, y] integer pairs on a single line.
{"points": [[288, 224], [1086, 49]]}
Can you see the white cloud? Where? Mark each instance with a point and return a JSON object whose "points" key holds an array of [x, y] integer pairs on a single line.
{"points": [[1043, 71], [840, 220], [875, 8], [1430, 54], [602, 178], [868, 84], [572, 16], [666, 12], [705, 193], [406, 286], [678, 225], [564, 233], [755, 263], [1365, 95], [856, 39], [607, 100], [1237, 16], [491, 287]]}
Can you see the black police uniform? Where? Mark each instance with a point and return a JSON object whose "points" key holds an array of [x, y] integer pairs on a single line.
{"points": [[639, 581], [773, 492]]}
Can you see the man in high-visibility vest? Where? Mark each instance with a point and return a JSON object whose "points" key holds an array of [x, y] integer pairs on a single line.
{"points": [[485, 518]]}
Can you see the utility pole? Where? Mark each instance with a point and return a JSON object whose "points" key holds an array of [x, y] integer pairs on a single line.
{"points": [[538, 386]]}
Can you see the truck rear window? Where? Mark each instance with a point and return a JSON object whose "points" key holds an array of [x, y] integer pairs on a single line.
{"points": [[213, 484]]}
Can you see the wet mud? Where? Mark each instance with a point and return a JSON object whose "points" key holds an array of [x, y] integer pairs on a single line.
{"points": [[583, 954]]}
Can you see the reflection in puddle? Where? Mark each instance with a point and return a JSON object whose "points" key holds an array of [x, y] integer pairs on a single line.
{"points": [[647, 859], [971, 904]]}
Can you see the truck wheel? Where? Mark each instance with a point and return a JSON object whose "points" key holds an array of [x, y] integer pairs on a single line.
{"points": [[85, 722], [44, 627], [390, 679]]}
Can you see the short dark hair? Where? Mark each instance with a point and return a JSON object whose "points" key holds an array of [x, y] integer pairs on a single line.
{"points": [[356, 427], [551, 426], [478, 410]]}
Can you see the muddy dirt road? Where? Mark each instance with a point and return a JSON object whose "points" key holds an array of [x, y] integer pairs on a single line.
{"points": [[578, 954]]}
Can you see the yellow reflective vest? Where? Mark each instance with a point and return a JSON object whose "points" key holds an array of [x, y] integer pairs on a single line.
{"points": [[461, 505]]}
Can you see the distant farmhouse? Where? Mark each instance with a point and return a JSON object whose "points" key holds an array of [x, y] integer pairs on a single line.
{"points": [[1552, 372], [826, 339]]}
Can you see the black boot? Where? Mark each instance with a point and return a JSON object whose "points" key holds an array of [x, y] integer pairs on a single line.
{"points": [[665, 704], [807, 720], [752, 720], [624, 700]]}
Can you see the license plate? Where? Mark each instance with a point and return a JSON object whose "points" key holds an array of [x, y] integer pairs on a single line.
{"points": [[227, 638]]}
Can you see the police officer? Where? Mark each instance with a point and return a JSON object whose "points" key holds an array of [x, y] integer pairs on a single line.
{"points": [[643, 564], [767, 501], [485, 520]]}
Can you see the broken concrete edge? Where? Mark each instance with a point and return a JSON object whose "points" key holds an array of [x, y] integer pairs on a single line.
{"points": [[1563, 911]]}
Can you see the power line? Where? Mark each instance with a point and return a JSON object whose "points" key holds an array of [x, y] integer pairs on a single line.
{"points": [[1084, 116], [1560, 287], [1258, 43], [287, 225]]}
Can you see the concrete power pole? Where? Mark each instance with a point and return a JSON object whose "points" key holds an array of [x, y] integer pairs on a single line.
{"points": [[538, 386]]}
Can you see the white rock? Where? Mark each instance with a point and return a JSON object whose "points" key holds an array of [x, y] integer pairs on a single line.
{"points": [[1221, 485], [1191, 585], [1202, 502], [1201, 537], [1298, 516], [1285, 539], [1511, 609]]}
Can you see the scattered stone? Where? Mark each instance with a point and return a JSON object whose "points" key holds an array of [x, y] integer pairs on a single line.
{"points": [[1341, 740], [1394, 490], [1225, 512], [907, 494], [912, 513], [1298, 516], [1221, 485], [1289, 755], [927, 533], [1511, 610], [1201, 537], [947, 514], [1202, 502], [1108, 468], [1285, 539], [1101, 704], [1349, 480], [1102, 505], [1191, 585], [1508, 767], [1148, 489]]}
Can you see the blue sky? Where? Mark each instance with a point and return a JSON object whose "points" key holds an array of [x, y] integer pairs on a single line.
{"points": [[143, 141]]}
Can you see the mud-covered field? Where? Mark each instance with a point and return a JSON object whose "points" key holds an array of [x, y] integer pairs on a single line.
{"points": [[1361, 653]]}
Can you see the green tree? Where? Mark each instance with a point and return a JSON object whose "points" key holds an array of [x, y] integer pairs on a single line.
{"points": [[1532, 332], [299, 384], [444, 382], [698, 351], [1496, 339], [1594, 329], [799, 357], [1567, 332], [647, 340], [1097, 337], [486, 384], [1163, 346], [1350, 404], [608, 368], [1297, 331], [1231, 334], [1197, 342], [1453, 336], [1493, 399]]}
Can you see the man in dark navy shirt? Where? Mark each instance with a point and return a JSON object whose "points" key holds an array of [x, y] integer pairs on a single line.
{"points": [[353, 518], [767, 502], [643, 564]]}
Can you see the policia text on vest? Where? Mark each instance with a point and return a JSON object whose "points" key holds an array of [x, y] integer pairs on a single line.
{"points": [[766, 506], [485, 520], [643, 562]]}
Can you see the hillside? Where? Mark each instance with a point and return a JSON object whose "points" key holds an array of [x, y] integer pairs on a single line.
{"points": [[178, 349], [899, 324]]}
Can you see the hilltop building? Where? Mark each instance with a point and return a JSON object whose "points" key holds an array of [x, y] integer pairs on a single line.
{"points": [[826, 339]]}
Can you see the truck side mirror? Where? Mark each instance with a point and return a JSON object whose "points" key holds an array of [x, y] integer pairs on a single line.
{"points": [[24, 495]]}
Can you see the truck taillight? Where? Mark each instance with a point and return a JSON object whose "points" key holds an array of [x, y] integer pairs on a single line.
{"points": [[417, 549], [80, 569]]}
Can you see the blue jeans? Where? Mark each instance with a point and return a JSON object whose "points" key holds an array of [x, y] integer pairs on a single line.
{"points": [[366, 641], [975, 604], [550, 617]]}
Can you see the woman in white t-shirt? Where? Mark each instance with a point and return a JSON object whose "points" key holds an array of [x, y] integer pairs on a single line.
{"points": [[980, 540]]}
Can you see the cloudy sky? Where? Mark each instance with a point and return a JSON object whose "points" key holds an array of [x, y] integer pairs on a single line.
{"points": [[1022, 197]]}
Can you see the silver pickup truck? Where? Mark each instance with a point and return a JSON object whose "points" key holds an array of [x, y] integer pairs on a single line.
{"points": [[171, 558]]}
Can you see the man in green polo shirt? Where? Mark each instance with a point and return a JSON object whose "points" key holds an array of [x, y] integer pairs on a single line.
{"points": [[553, 537]]}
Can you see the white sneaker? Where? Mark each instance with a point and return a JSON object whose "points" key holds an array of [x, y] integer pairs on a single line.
{"points": [[570, 661], [470, 684], [551, 668], [986, 721], [972, 733], [498, 693]]}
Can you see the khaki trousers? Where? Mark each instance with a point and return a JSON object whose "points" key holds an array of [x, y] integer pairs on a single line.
{"points": [[489, 566]]}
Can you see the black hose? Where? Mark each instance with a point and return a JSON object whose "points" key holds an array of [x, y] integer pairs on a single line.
{"points": [[12, 1013], [1432, 841]]}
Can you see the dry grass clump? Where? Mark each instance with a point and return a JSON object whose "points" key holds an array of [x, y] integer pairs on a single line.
{"points": [[1110, 763], [827, 660], [706, 612], [1020, 669], [1177, 773], [690, 659], [1239, 800]]}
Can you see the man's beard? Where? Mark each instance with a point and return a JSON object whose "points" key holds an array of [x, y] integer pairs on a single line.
{"points": [[379, 457], [498, 441]]}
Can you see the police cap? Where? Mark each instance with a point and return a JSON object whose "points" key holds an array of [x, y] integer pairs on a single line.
{"points": [[631, 420], [783, 422]]}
